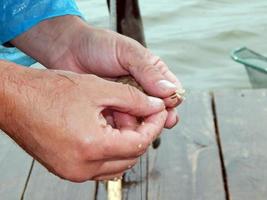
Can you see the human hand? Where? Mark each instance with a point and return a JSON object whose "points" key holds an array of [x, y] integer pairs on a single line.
{"points": [[70, 44], [57, 118]]}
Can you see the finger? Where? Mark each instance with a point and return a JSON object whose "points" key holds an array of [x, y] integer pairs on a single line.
{"points": [[128, 99], [148, 69], [124, 143], [114, 167], [120, 120], [140, 62], [120, 144], [172, 101], [168, 74], [172, 119], [125, 121], [108, 115], [152, 126], [110, 177], [153, 81]]}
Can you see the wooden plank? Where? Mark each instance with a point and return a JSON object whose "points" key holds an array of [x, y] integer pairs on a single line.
{"points": [[102, 191], [187, 164], [14, 168], [242, 123], [44, 185], [135, 181]]}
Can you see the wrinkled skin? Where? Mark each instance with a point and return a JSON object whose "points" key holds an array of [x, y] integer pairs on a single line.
{"points": [[84, 49], [67, 132], [70, 118]]}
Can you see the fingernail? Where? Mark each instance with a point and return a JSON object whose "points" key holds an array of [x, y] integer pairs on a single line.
{"points": [[156, 102], [164, 84]]}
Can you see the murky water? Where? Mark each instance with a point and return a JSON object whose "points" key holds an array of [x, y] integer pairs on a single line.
{"points": [[195, 37]]}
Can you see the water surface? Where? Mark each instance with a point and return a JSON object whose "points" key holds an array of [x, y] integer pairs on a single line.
{"points": [[195, 37]]}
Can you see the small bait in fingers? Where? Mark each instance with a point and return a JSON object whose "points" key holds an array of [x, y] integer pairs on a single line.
{"points": [[131, 81], [180, 94]]}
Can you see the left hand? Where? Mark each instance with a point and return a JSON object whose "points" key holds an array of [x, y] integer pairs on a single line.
{"points": [[68, 43]]}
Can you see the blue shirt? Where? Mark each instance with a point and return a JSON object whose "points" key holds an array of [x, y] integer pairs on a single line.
{"points": [[18, 16]]}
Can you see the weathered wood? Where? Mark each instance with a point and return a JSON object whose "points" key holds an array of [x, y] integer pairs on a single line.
{"points": [[15, 165], [187, 164], [101, 191], [135, 181], [242, 123], [44, 185]]}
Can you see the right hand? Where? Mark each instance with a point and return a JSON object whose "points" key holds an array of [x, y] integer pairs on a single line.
{"points": [[57, 118]]}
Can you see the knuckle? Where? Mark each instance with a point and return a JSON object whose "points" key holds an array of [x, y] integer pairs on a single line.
{"points": [[149, 69], [134, 95], [84, 148], [162, 67], [138, 54], [133, 47], [133, 92], [156, 59]]}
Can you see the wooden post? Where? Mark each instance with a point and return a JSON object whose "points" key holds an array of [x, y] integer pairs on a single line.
{"points": [[114, 190], [125, 18]]}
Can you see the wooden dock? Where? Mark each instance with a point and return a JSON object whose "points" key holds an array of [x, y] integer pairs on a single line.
{"points": [[217, 152]]}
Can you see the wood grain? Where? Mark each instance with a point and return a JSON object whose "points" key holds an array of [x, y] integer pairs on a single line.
{"points": [[187, 165], [101, 191], [44, 185], [135, 181], [14, 168], [242, 123]]}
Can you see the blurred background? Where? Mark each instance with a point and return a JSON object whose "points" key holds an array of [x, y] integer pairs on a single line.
{"points": [[195, 37]]}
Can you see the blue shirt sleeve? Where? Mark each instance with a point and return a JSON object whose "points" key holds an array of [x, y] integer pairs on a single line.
{"points": [[18, 16]]}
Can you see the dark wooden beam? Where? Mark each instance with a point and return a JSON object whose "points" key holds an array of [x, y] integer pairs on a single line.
{"points": [[128, 19]]}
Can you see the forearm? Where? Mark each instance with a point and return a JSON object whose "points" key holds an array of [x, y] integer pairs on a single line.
{"points": [[19, 91], [22, 91], [10, 81], [50, 40]]}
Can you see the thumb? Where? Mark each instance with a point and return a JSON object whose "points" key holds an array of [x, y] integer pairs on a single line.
{"points": [[153, 81], [147, 69], [128, 99]]}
